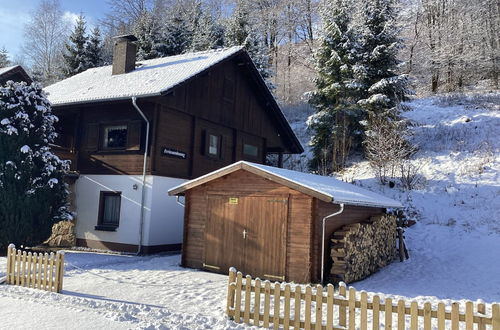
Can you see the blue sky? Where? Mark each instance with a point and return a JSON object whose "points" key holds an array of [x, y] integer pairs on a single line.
{"points": [[15, 13]]}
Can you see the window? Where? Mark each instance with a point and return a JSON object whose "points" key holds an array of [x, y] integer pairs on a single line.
{"points": [[109, 211], [250, 150], [213, 145], [114, 137]]}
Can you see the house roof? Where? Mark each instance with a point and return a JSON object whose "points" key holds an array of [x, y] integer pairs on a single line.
{"points": [[150, 78], [157, 77], [8, 72], [6, 69], [325, 188]]}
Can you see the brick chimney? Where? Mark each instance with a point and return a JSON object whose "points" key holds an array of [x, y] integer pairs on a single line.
{"points": [[124, 52]]}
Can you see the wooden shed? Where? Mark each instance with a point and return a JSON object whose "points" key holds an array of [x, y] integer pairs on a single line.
{"points": [[268, 221]]}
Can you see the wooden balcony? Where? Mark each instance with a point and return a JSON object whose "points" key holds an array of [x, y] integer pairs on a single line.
{"points": [[66, 154]]}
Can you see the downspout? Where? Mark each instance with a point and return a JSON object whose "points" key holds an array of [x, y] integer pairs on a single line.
{"points": [[323, 239], [177, 199], [144, 168]]}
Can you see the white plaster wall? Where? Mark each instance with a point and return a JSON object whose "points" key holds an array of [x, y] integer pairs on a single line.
{"points": [[163, 222], [167, 216], [88, 188]]}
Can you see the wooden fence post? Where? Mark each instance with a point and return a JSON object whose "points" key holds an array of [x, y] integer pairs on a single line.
{"points": [[342, 308], [276, 312], [455, 317], [307, 310], [364, 311], [256, 310], [286, 320], [230, 291], [495, 322], [376, 313], [414, 315], [441, 314], [481, 309], [352, 308], [388, 313], [267, 299], [298, 302], [401, 315], [237, 306], [427, 316], [469, 315], [58, 283], [329, 307], [248, 295], [8, 278]]}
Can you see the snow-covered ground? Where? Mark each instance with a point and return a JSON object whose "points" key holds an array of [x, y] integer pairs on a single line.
{"points": [[120, 292], [454, 247]]}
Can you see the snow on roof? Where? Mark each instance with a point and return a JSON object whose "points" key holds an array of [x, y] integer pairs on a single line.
{"points": [[150, 78], [328, 188], [7, 69]]}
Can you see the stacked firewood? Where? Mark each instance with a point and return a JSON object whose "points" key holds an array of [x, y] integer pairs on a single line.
{"points": [[360, 249]]}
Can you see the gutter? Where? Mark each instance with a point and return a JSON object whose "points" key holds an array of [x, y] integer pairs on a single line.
{"points": [[323, 238], [144, 168]]}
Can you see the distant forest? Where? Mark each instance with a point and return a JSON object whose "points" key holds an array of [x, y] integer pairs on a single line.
{"points": [[446, 45]]}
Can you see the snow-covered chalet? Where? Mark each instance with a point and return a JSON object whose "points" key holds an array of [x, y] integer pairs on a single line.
{"points": [[133, 130]]}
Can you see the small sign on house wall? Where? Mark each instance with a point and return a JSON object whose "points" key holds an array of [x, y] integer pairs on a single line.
{"points": [[169, 152], [233, 200]]}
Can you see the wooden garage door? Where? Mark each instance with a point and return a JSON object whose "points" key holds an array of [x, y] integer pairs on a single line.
{"points": [[248, 233]]}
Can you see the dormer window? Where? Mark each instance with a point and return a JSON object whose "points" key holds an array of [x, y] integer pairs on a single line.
{"points": [[114, 137]]}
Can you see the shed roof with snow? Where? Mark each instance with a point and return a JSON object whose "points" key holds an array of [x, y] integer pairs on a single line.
{"points": [[150, 78], [325, 188]]}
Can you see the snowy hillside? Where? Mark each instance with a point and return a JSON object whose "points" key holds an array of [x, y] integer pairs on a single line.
{"points": [[455, 245]]}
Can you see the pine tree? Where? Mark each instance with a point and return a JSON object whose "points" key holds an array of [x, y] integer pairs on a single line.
{"points": [[147, 31], [32, 188], [94, 49], [240, 32], [335, 125], [207, 34], [4, 58], [75, 57], [377, 69], [176, 37]]}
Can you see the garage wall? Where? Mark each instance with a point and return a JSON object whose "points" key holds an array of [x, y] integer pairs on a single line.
{"points": [[242, 183]]}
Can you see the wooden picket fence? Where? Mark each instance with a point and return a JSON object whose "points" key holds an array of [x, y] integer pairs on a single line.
{"points": [[261, 303], [35, 270]]}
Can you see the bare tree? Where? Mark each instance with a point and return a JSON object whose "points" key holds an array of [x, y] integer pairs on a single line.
{"points": [[44, 36]]}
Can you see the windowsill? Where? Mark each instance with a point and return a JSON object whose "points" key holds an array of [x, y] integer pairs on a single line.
{"points": [[105, 228]]}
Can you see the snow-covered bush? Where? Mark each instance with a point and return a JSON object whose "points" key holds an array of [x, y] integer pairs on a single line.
{"points": [[388, 149], [33, 195]]}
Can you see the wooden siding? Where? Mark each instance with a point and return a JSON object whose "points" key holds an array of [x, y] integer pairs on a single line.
{"points": [[85, 136], [351, 214], [242, 183], [223, 100]]}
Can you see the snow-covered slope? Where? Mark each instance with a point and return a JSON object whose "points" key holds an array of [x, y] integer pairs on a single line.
{"points": [[455, 245]]}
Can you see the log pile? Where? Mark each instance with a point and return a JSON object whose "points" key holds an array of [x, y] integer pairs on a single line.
{"points": [[63, 235], [360, 249]]}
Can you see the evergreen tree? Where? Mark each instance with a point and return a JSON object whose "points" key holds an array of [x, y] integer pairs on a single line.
{"points": [[4, 58], [176, 37], [32, 190], [240, 32], [147, 31], [207, 34], [76, 56], [335, 125], [377, 69], [94, 49]]}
